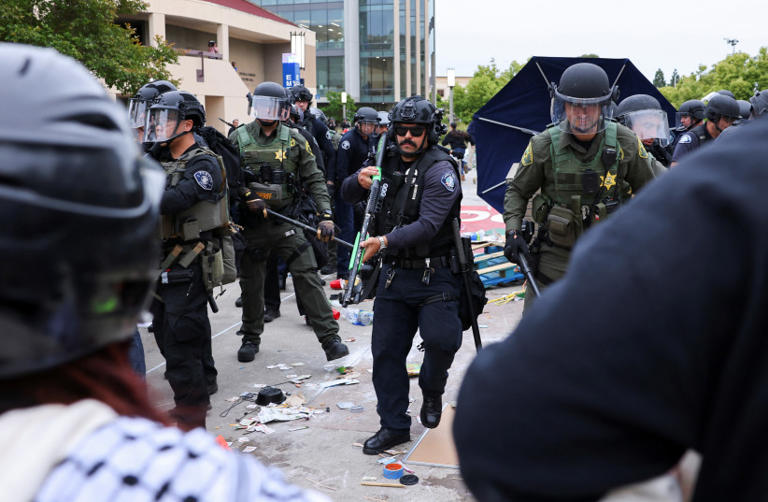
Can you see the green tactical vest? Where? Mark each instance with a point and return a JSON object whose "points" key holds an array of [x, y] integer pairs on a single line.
{"points": [[569, 171], [202, 216], [270, 169]]}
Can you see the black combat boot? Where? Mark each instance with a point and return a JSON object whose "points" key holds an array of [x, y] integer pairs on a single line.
{"points": [[334, 349], [247, 351], [431, 410], [271, 314], [384, 440]]}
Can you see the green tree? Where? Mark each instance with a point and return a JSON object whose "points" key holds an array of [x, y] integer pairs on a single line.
{"points": [[484, 84], [86, 31], [738, 72], [334, 107], [658, 79], [589, 56], [674, 79]]}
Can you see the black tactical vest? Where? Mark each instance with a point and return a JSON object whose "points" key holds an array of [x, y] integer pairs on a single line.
{"points": [[401, 197]]}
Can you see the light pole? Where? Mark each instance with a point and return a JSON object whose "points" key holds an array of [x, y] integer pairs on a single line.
{"points": [[343, 106], [451, 80]]}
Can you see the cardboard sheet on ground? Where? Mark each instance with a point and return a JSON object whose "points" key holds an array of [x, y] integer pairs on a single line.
{"points": [[435, 446]]}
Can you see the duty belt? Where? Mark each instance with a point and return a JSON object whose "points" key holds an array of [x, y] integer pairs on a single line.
{"points": [[434, 262]]}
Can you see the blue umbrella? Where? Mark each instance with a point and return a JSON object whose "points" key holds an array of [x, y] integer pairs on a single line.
{"points": [[503, 127]]}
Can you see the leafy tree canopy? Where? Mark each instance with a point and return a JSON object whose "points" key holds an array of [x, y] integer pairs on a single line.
{"points": [[86, 31], [738, 72]]}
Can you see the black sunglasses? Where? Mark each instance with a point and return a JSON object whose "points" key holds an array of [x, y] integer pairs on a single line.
{"points": [[415, 131]]}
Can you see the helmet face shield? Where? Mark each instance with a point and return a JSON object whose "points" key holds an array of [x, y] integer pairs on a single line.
{"points": [[269, 108], [162, 125], [137, 112], [580, 116], [649, 124]]}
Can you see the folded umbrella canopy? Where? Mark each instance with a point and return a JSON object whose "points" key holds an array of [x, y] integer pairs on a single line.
{"points": [[503, 127]]}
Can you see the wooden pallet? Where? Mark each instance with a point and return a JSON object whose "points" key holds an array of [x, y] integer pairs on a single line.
{"points": [[493, 267]]}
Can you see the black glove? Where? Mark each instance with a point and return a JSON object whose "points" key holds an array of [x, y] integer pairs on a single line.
{"points": [[325, 230], [515, 247], [258, 206]]}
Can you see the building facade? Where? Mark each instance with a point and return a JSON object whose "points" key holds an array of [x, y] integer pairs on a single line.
{"points": [[378, 51], [250, 42]]}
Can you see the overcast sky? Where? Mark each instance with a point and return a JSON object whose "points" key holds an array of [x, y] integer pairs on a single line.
{"points": [[651, 33]]}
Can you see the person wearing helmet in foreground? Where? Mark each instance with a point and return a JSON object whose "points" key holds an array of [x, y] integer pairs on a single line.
{"points": [[643, 114], [417, 288], [749, 111], [194, 210], [722, 110], [585, 166], [79, 259], [277, 162]]}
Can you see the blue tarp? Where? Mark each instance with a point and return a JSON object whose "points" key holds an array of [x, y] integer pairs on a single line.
{"points": [[503, 127]]}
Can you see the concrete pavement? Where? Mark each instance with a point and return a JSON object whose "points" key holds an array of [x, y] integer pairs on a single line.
{"points": [[323, 455]]}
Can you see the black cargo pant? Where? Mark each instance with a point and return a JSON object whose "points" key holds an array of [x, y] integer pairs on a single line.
{"points": [[183, 332], [399, 310]]}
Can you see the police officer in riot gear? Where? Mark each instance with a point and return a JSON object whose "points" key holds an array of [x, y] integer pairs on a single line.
{"points": [[759, 103], [139, 104], [722, 110], [195, 212], [585, 166], [302, 98], [278, 164], [643, 114], [690, 114], [417, 288], [355, 147]]}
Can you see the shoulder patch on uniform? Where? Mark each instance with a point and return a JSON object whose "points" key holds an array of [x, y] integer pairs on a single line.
{"points": [[345, 144], [329, 135], [204, 179], [308, 148], [527, 159], [449, 182], [641, 149], [685, 138]]}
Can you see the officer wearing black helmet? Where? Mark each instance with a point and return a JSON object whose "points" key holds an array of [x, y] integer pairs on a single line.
{"points": [[585, 167], [139, 104], [355, 147], [417, 288], [78, 259], [643, 114], [195, 213], [278, 163], [302, 98], [722, 110]]}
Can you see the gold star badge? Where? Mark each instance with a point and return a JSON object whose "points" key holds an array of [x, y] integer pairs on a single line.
{"points": [[608, 181], [280, 155]]}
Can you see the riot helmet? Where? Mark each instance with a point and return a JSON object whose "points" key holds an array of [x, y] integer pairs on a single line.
{"points": [[384, 119], [416, 110], [581, 101], [745, 109], [300, 93], [318, 114], [759, 102], [692, 108], [366, 115], [722, 106], [166, 117], [643, 114], [79, 250], [269, 102], [145, 97], [726, 92]]}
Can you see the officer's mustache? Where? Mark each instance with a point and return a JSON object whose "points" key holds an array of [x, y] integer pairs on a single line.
{"points": [[407, 142]]}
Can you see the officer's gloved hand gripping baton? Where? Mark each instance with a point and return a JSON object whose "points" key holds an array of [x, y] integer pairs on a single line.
{"points": [[303, 225], [354, 289]]}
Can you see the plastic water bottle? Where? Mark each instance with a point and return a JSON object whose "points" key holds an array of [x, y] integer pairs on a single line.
{"points": [[359, 317]]}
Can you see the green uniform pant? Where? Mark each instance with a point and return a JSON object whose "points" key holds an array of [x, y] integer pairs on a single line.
{"points": [[290, 244], [553, 261]]}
